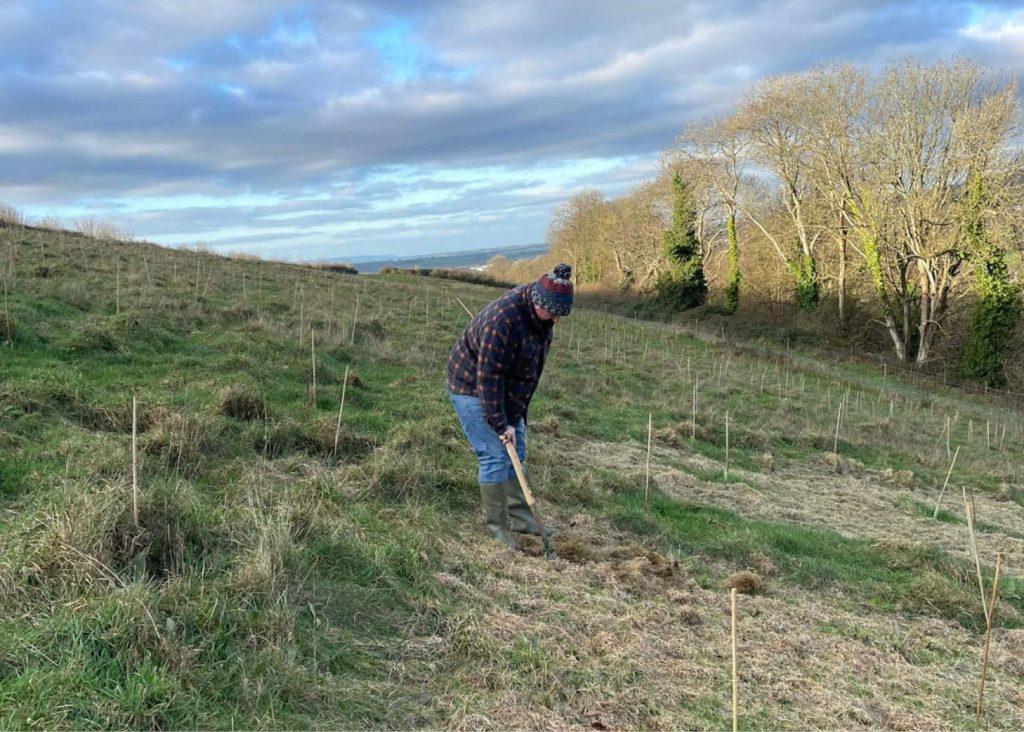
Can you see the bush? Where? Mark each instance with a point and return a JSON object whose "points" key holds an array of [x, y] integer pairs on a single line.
{"points": [[339, 267]]}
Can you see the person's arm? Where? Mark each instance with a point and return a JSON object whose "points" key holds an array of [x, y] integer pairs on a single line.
{"points": [[494, 359]]}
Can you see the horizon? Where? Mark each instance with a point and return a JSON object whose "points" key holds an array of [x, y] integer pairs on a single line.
{"points": [[330, 131]]}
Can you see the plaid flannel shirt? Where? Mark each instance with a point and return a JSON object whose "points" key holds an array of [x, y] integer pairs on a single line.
{"points": [[500, 357]]}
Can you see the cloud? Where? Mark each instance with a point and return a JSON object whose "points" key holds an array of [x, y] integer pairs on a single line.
{"points": [[400, 126]]}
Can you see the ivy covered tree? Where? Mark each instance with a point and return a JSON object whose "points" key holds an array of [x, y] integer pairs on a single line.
{"points": [[998, 305], [683, 284], [732, 287]]}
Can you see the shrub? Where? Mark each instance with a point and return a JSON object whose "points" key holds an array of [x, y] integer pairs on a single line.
{"points": [[339, 267]]}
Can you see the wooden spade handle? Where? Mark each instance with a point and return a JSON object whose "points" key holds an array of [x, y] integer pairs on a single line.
{"points": [[519, 474]]}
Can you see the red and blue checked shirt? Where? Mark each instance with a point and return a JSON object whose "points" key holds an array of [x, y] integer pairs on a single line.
{"points": [[500, 357]]}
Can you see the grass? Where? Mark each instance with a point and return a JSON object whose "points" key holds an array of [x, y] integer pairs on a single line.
{"points": [[908, 578], [271, 583]]}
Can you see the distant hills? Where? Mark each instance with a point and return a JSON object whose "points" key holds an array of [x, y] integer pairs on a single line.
{"points": [[471, 258]]}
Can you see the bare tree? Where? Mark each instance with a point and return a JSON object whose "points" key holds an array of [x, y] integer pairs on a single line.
{"points": [[575, 233], [771, 119], [928, 129], [717, 149]]}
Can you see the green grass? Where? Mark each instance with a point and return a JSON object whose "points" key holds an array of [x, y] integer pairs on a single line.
{"points": [[271, 583], [916, 578]]}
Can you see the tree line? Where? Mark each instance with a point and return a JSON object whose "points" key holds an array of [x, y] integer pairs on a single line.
{"points": [[896, 194]]}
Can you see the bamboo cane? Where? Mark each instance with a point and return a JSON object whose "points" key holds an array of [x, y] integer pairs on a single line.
{"points": [[693, 417], [135, 462], [839, 417], [973, 545], [735, 680], [355, 322], [341, 408], [988, 638], [727, 445], [9, 332], [647, 477], [312, 358], [468, 311], [935, 513]]}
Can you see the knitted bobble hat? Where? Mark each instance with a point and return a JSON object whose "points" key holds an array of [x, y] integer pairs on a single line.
{"points": [[553, 291]]}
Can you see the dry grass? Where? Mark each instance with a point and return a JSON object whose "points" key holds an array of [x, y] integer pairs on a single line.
{"points": [[654, 654], [10, 216], [745, 582], [243, 403], [846, 497]]}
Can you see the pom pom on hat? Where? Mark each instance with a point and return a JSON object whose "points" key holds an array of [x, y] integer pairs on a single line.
{"points": [[554, 291]]}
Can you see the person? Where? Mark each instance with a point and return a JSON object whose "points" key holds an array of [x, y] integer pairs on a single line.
{"points": [[491, 374]]}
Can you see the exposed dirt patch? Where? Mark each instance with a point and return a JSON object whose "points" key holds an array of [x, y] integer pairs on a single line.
{"points": [[630, 563], [833, 491]]}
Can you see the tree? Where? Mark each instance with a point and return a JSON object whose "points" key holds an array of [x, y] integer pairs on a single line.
{"points": [[634, 232], [575, 236], [718, 148], [771, 119], [928, 130], [998, 305], [835, 118], [683, 284]]}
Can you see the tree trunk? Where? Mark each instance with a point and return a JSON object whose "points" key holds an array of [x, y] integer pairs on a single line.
{"points": [[898, 342], [842, 272], [925, 319]]}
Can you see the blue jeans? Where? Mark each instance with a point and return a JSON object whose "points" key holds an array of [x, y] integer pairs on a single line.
{"points": [[494, 463]]}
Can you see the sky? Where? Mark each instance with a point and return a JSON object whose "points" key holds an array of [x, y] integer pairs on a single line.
{"points": [[337, 130]]}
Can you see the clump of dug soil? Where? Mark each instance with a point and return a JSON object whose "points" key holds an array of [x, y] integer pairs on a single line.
{"points": [[630, 564], [746, 582]]}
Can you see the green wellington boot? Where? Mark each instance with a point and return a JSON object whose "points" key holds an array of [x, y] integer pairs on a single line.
{"points": [[520, 517], [492, 496]]}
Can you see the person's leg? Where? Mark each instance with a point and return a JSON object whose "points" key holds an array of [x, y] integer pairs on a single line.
{"points": [[493, 465]]}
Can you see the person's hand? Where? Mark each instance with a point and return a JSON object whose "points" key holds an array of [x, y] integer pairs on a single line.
{"points": [[508, 436]]}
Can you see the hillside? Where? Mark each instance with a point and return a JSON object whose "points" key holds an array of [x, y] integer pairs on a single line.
{"points": [[273, 581]]}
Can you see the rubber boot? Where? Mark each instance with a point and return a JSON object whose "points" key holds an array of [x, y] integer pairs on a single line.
{"points": [[520, 517], [492, 497]]}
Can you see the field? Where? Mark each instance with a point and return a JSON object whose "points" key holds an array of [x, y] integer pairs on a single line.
{"points": [[283, 571]]}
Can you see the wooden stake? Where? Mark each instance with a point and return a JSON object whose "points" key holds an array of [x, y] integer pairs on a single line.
{"points": [[117, 289], [647, 478], [935, 514], [341, 408], [735, 681], [135, 462], [988, 639]]}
